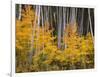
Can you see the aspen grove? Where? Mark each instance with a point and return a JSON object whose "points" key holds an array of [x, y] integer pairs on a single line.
{"points": [[52, 38]]}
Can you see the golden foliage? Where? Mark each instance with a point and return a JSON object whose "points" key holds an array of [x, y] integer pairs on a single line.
{"points": [[77, 49]]}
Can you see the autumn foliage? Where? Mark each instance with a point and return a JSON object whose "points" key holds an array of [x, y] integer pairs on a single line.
{"points": [[77, 51]]}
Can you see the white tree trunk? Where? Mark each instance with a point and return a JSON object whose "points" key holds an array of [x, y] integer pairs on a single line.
{"points": [[72, 16], [81, 24], [59, 27], [90, 22], [20, 6]]}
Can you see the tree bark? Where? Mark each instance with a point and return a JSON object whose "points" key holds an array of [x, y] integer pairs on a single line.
{"points": [[20, 6], [90, 22], [59, 26]]}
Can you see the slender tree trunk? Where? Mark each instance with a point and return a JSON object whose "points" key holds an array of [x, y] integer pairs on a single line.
{"points": [[90, 22], [64, 24], [67, 20], [42, 16], [87, 26], [59, 26], [42, 20], [38, 25], [81, 24], [76, 13], [72, 16], [31, 52], [38, 14], [47, 18], [20, 6]]}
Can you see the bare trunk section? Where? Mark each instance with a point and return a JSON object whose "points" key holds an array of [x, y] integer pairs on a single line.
{"points": [[81, 24], [38, 14], [90, 22], [67, 16], [41, 11], [64, 25], [87, 27], [72, 16], [38, 26], [59, 26], [76, 13], [20, 6]]}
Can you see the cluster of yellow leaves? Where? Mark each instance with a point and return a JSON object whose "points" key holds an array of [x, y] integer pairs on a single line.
{"points": [[43, 37], [24, 29], [79, 50], [28, 14], [77, 46]]}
